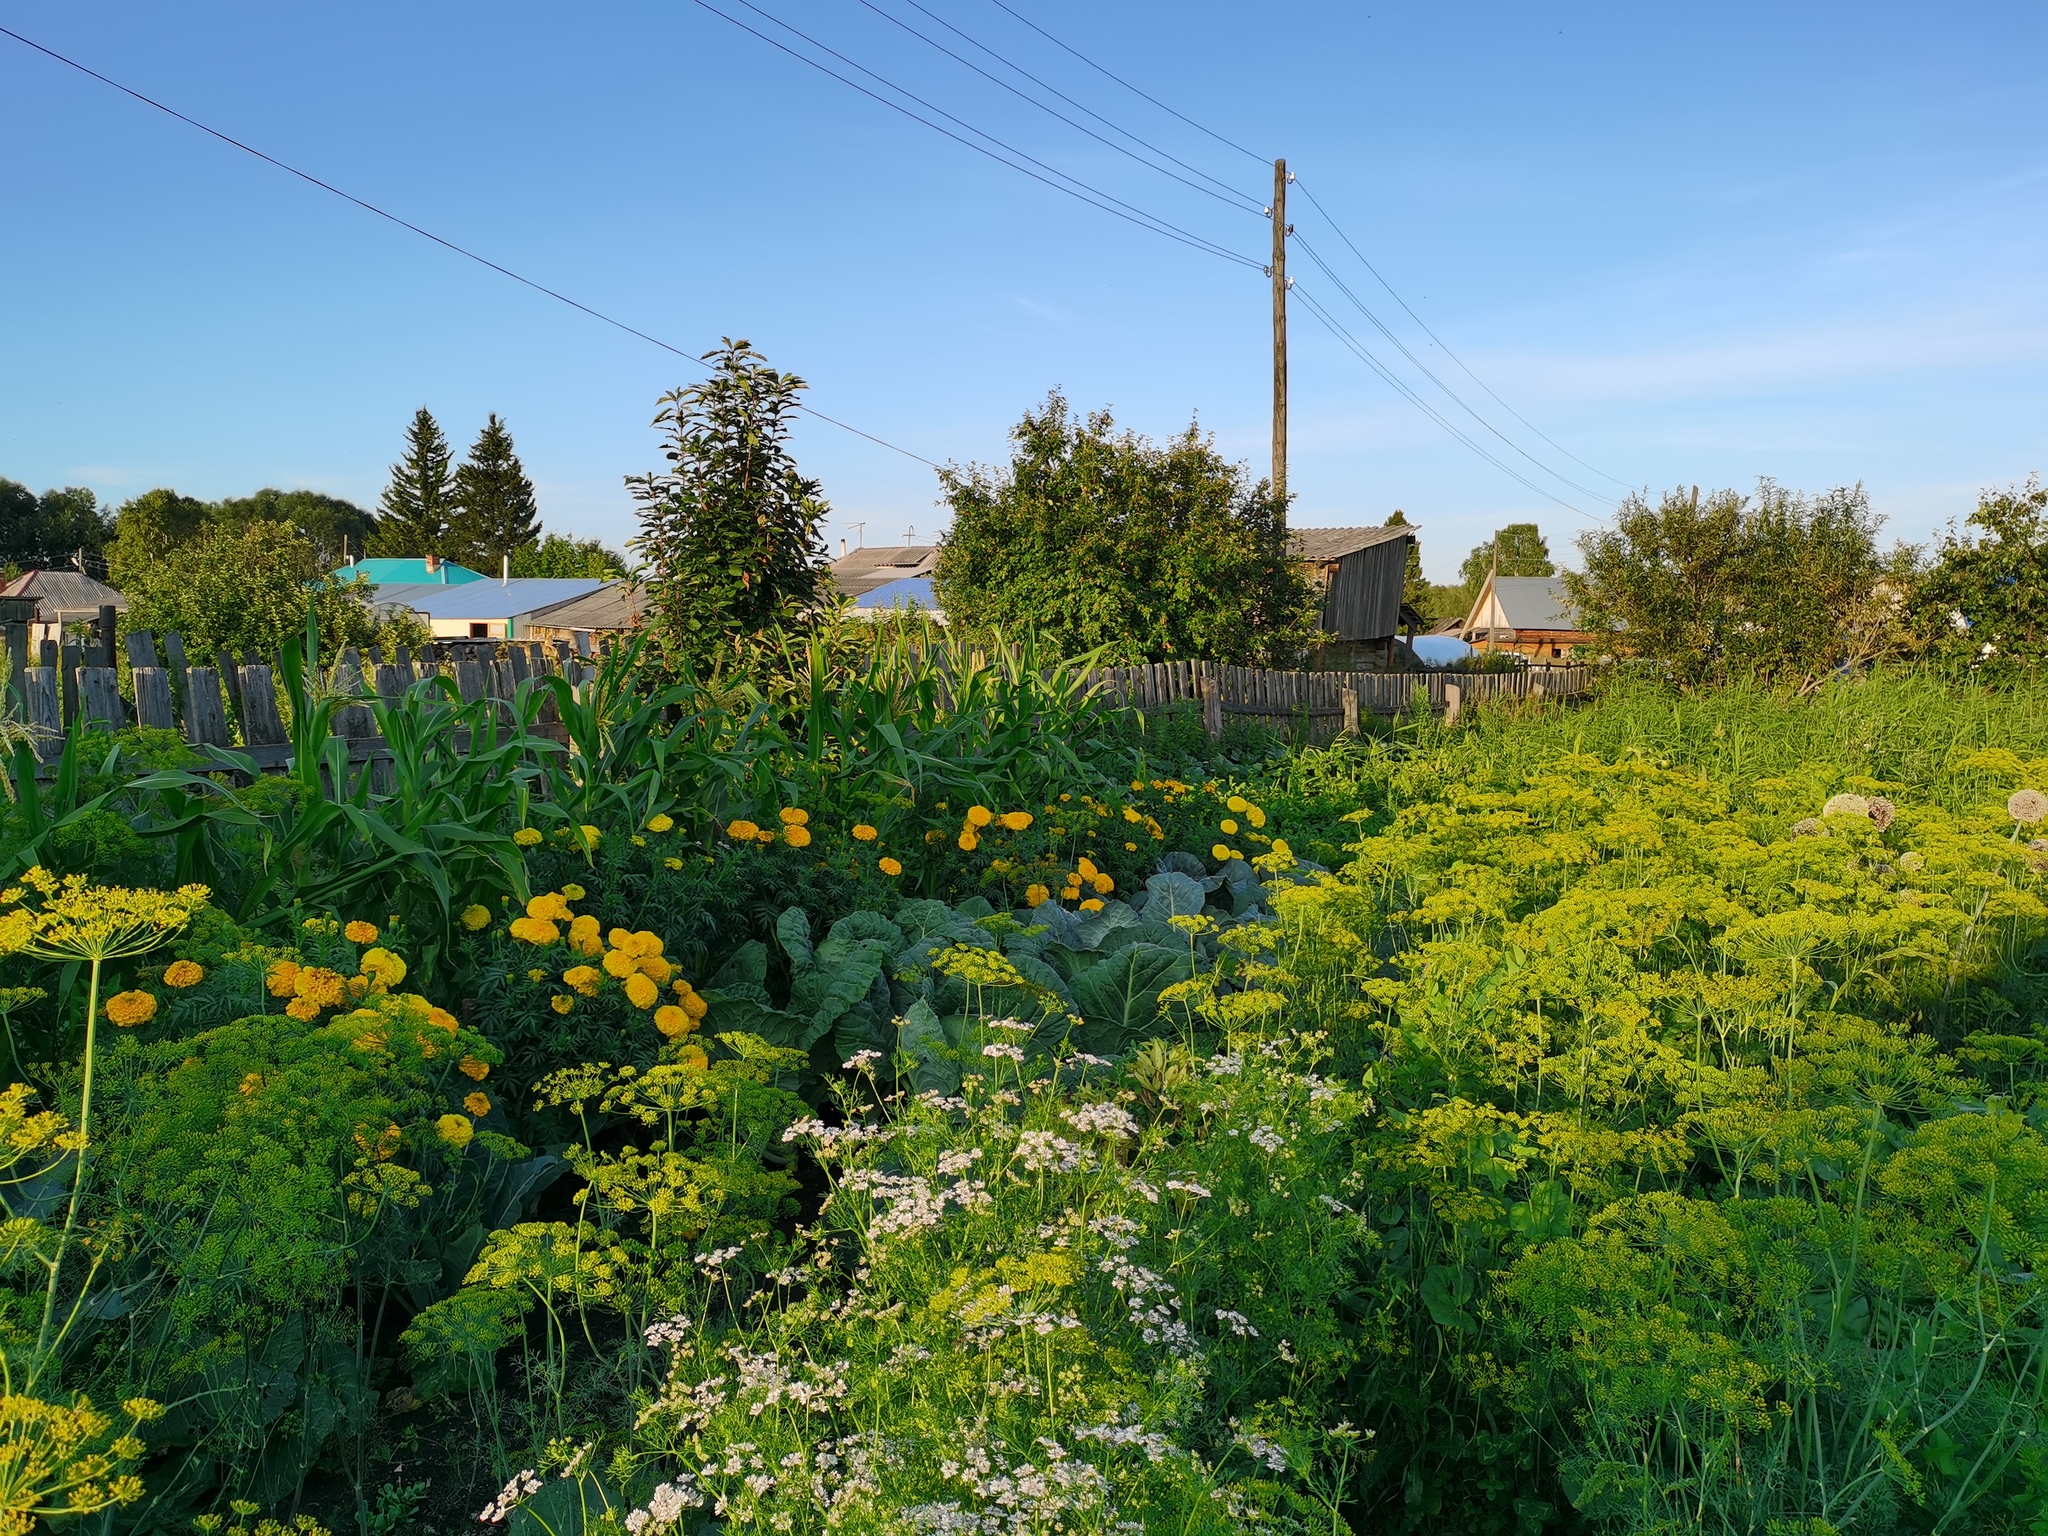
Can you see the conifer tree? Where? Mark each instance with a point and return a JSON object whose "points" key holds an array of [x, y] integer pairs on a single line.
{"points": [[495, 514], [419, 503]]}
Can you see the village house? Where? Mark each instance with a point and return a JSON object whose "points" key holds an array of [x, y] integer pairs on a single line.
{"points": [[1524, 616]]}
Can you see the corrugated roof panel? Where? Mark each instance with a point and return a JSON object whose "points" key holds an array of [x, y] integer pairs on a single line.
{"points": [[485, 599]]}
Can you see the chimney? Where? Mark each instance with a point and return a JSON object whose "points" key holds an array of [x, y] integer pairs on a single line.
{"points": [[505, 571], [434, 565], [842, 549]]}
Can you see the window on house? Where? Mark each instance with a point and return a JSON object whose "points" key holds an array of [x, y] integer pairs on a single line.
{"points": [[479, 631]]}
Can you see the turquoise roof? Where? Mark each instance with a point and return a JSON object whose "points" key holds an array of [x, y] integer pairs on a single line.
{"points": [[394, 571]]}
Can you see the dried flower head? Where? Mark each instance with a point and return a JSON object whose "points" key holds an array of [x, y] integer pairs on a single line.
{"points": [[2027, 806], [1882, 811], [1846, 805]]}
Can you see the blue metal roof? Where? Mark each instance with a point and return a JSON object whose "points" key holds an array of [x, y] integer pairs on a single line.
{"points": [[907, 592], [393, 570], [484, 599]]}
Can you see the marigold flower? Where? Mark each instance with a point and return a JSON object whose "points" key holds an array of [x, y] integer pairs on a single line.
{"points": [[552, 905], [584, 978], [304, 1009], [1237, 803], [1085, 867], [536, 974], [322, 987], [478, 1104], [618, 963], [979, 816], [184, 973], [1103, 885], [968, 841], [797, 836], [1281, 849], [641, 991], [1220, 853], [656, 969], [282, 978], [694, 1006], [639, 841], [1130, 847], [561, 1002], [456, 1130], [360, 932], [441, 1018], [863, 833], [573, 892], [1016, 821], [1036, 895], [1092, 904], [792, 817], [384, 967], [476, 917], [534, 930], [764, 837], [741, 831], [476, 1071], [591, 835], [889, 866], [1229, 827], [1255, 816], [672, 863], [582, 927], [661, 822], [128, 1009], [673, 1021], [359, 987], [527, 837]]}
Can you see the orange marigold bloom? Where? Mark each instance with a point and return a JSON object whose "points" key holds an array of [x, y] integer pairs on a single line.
{"points": [[618, 963], [889, 866], [584, 978], [741, 831], [863, 833], [1017, 821], [695, 1006], [792, 817], [128, 1009], [360, 932], [673, 1021], [797, 836], [968, 841], [473, 1069], [478, 1104], [282, 978], [1036, 895], [641, 991], [304, 1009], [184, 973]]}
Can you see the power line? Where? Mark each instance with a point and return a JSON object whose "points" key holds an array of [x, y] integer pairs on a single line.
{"points": [[1162, 106], [1401, 387], [1251, 204], [1432, 335], [1094, 196], [1427, 373], [425, 234]]}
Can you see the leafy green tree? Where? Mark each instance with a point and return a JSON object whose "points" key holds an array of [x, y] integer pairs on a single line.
{"points": [[1983, 601], [249, 587], [335, 528], [419, 503], [1776, 586], [47, 532], [561, 556], [1100, 538], [1520, 550], [494, 512], [729, 531]]}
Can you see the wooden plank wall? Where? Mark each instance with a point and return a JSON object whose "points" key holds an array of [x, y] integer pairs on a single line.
{"points": [[1318, 698], [233, 702]]}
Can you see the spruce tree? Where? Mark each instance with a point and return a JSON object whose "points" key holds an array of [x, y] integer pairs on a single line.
{"points": [[419, 502], [495, 513], [1414, 585]]}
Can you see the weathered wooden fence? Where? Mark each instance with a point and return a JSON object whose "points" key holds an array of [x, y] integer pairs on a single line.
{"points": [[1327, 703], [233, 702]]}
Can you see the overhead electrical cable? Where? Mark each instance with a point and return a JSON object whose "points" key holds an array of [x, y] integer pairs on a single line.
{"points": [[1424, 368], [1432, 335], [1401, 387], [1081, 190], [425, 234], [1226, 190], [1162, 106]]}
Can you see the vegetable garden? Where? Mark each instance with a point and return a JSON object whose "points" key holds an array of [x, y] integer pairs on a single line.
{"points": [[919, 1096]]}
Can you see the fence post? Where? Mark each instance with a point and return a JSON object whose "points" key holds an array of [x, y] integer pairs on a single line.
{"points": [[1212, 704], [1350, 701], [1453, 697]]}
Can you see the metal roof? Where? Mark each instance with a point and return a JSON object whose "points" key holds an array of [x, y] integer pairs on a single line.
{"points": [[862, 570], [394, 570], [615, 605], [1534, 602], [66, 594], [908, 592], [1324, 544], [484, 599]]}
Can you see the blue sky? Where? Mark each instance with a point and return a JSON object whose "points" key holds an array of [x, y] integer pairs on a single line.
{"points": [[1691, 245]]}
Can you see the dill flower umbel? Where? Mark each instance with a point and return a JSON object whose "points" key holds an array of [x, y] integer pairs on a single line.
{"points": [[184, 973], [128, 1009]]}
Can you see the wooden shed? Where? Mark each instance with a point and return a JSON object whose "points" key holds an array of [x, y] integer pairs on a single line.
{"points": [[1360, 573]]}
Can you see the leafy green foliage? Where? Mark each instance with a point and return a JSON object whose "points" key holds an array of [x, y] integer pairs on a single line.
{"points": [[1516, 550], [559, 555], [47, 531], [729, 530], [1979, 604], [1105, 540]]}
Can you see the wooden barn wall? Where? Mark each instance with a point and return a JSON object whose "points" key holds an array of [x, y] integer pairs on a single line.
{"points": [[1363, 600]]}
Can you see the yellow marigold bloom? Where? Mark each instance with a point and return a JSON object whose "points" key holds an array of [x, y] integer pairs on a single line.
{"points": [[694, 1006], [527, 837], [1280, 847], [660, 823], [553, 905], [1017, 821], [1228, 826], [441, 1018], [1103, 885], [591, 835], [682, 987], [639, 841], [304, 1009], [1086, 868], [1130, 847], [571, 892], [797, 837], [561, 1002], [1138, 786], [359, 987], [534, 930], [764, 837], [672, 863], [324, 987], [128, 1009], [979, 815], [478, 1104], [1092, 904], [456, 1130], [741, 831], [360, 932], [889, 866], [1237, 803], [536, 974], [863, 833], [619, 963], [1035, 895], [1220, 852], [792, 817], [656, 969], [673, 1021], [968, 841], [476, 917], [282, 978], [184, 973], [641, 991], [384, 967], [582, 927], [476, 1071], [1255, 816], [584, 978]]}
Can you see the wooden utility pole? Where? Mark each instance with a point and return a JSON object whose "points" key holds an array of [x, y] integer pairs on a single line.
{"points": [[1279, 274]]}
